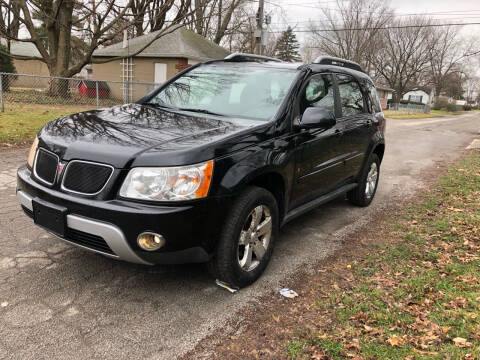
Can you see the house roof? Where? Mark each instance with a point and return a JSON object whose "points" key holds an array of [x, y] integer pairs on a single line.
{"points": [[21, 48], [179, 43], [383, 87]]}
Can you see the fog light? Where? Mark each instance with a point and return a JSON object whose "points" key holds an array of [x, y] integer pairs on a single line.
{"points": [[150, 241]]}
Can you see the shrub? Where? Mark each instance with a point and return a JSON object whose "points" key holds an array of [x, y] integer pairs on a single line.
{"points": [[467, 107], [6, 65], [451, 107]]}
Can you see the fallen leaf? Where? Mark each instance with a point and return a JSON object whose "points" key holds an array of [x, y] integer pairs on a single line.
{"points": [[461, 342], [396, 340]]}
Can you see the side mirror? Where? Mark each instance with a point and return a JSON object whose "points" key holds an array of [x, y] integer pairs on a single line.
{"points": [[316, 118]]}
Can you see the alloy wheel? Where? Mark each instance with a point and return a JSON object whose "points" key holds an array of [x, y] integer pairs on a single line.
{"points": [[254, 238], [371, 182]]}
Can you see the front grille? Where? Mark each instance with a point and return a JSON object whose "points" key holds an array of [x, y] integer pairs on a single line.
{"points": [[46, 166], [88, 240], [86, 177]]}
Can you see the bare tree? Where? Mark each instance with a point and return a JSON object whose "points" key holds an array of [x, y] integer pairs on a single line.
{"points": [[64, 20], [404, 57], [9, 20], [447, 56], [343, 38], [472, 88], [214, 18]]}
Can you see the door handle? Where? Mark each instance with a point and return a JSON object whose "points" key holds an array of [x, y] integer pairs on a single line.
{"points": [[338, 132]]}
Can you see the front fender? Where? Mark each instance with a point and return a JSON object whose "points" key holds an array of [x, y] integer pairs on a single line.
{"points": [[238, 170]]}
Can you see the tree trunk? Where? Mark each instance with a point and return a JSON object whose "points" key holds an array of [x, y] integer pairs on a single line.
{"points": [[60, 32], [59, 88]]}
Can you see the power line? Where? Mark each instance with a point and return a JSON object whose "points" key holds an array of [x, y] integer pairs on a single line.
{"points": [[385, 27], [341, 22]]}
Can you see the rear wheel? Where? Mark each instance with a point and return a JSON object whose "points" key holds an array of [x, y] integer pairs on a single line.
{"points": [[364, 193], [246, 243]]}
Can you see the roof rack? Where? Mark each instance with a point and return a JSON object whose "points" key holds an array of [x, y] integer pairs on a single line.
{"points": [[244, 57], [330, 60]]}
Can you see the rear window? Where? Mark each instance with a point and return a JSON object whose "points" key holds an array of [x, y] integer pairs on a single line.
{"points": [[374, 101], [350, 95]]}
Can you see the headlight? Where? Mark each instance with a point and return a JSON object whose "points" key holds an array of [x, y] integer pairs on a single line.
{"points": [[168, 183], [31, 153]]}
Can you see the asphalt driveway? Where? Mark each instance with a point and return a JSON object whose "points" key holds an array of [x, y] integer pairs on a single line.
{"points": [[61, 302]]}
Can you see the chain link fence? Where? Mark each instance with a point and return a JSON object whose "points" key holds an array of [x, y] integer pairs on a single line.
{"points": [[19, 89]]}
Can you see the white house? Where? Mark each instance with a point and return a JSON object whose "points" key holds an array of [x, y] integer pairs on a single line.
{"points": [[418, 96]]}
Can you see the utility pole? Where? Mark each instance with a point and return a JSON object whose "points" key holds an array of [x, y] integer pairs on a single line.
{"points": [[259, 30], [9, 28]]}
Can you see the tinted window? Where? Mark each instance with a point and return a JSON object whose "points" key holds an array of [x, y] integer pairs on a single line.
{"points": [[350, 95], [253, 92], [374, 101], [319, 92]]}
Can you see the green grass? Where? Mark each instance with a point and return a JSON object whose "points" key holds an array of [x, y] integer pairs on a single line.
{"points": [[392, 114], [447, 113], [20, 123], [416, 296], [400, 114]]}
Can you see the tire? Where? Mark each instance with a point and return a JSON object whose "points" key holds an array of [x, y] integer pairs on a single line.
{"points": [[361, 195], [230, 261]]}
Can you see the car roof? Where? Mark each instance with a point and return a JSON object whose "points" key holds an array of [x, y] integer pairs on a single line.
{"points": [[328, 64]]}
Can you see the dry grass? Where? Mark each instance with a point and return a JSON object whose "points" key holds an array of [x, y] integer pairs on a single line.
{"points": [[21, 122]]}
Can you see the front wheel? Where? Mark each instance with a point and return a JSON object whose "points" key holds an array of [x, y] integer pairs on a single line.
{"points": [[246, 242], [363, 194]]}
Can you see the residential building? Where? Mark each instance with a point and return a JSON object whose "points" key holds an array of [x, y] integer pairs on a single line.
{"points": [[384, 94], [419, 96], [162, 59]]}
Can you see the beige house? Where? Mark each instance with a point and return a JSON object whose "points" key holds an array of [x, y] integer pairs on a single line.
{"points": [[164, 58], [30, 67], [384, 93]]}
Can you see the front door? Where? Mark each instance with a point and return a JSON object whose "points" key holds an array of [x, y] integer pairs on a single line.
{"points": [[319, 163]]}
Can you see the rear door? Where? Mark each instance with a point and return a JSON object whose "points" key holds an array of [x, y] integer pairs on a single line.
{"points": [[357, 124], [319, 166]]}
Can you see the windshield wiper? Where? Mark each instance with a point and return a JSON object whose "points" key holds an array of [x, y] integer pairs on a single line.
{"points": [[203, 111], [160, 106]]}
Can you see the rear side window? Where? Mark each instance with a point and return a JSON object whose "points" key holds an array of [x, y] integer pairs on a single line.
{"points": [[374, 101], [350, 95]]}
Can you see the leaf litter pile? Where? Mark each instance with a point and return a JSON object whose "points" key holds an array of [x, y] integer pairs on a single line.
{"points": [[408, 289]]}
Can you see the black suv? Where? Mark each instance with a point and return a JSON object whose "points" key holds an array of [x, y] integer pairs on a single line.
{"points": [[207, 167]]}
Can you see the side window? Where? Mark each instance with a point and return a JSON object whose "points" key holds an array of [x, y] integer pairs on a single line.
{"points": [[350, 95], [319, 93], [374, 101]]}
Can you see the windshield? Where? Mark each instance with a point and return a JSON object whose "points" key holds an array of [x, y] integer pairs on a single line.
{"points": [[235, 90]]}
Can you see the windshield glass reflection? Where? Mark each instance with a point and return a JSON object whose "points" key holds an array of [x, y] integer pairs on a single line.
{"points": [[252, 92]]}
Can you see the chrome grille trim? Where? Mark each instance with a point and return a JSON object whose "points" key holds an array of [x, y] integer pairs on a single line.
{"points": [[65, 172], [35, 167]]}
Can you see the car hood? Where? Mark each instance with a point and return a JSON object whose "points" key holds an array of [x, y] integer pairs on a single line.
{"points": [[140, 135]]}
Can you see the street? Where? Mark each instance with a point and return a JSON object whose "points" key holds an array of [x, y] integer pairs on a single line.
{"points": [[62, 302]]}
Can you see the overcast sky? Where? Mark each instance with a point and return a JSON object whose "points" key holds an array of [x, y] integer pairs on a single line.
{"points": [[299, 12]]}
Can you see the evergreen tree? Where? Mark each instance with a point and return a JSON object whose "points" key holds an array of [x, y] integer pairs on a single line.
{"points": [[287, 46], [6, 65]]}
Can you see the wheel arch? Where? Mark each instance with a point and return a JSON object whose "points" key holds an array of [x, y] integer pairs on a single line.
{"points": [[275, 184], [379, 150]]}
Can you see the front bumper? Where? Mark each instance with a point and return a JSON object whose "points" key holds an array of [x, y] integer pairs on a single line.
{"points": [[190, 229]]}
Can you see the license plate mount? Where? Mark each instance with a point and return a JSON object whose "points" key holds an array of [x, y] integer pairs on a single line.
{"points": [[49, 216]]}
